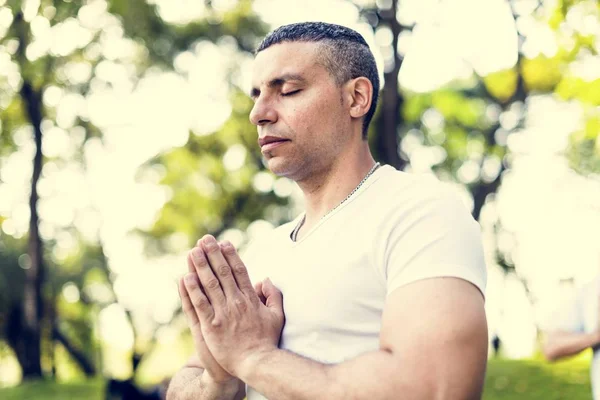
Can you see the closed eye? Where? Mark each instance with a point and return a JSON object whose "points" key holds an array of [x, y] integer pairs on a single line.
{"points": [[293, 92]]}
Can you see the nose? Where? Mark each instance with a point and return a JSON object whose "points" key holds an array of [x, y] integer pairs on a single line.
{"points": [[263, 112]]}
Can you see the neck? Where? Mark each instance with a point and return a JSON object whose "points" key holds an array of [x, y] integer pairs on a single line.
{"points": [[326, 188]]}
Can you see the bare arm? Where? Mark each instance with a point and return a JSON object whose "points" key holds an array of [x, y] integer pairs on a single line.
{"points": [[191, 382], [433, 345], [561, 344]]}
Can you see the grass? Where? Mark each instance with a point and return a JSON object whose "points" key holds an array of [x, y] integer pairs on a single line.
{"points": [[506, 379], [538, 380], [88, 390]]}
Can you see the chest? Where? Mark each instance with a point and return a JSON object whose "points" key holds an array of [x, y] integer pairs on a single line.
{"points": [[327, 286]]}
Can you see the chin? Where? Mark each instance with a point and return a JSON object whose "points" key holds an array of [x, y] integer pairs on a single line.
{"points": [[281, 167]]}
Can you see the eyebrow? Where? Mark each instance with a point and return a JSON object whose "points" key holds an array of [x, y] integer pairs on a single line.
{"points": [[279, 81]]}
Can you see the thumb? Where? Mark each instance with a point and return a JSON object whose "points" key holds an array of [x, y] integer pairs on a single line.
{"points": [[273, 295], [258, 288]]}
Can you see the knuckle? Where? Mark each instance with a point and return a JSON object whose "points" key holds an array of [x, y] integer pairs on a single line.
{"points": [[200, 302], [229, 250], [201, 262], [240, 304], [240, 269], [223, 270], [213, 284]]}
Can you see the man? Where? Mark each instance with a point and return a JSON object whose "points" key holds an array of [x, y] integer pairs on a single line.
{"points": [[577, 328], [381, 279]]}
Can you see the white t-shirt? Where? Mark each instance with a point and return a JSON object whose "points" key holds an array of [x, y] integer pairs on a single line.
{"points": [[396, 229], [581, 315]]}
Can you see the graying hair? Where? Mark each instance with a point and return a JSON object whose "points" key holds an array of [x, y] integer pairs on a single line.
{"points": [[346, 56]]}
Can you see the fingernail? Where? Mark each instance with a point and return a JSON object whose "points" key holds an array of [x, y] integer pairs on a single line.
{"points": [[209, 239], [210, 243], [269, 281], [226, 244]]}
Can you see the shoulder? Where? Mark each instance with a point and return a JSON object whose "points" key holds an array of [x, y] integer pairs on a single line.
{"points": [[426, 230], [400, 195]]}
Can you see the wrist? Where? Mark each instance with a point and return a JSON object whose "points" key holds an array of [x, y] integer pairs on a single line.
{"points": [[250, 363]]}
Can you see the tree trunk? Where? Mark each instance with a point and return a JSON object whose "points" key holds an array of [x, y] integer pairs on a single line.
{"points": [[32, 315], [34, 276], [86, 365], [481, 191], [387, 143]]}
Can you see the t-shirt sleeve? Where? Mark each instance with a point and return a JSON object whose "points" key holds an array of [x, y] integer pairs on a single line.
{"points": [[436, 237]]}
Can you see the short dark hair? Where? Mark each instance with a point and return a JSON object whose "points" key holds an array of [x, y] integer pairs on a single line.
{"points": [[347, 54]]}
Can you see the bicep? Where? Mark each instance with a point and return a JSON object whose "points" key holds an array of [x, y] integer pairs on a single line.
{"points": [[436, 330]]}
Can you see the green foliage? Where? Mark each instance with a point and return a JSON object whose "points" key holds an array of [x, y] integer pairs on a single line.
{"points": [[542, 73], [462, 129], [153, 43], [502, 84], [577, 88], [205, 196], [505, 380], [164, 41]]}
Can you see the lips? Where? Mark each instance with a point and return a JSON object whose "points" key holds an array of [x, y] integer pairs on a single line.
{"points": [[271, 141]]}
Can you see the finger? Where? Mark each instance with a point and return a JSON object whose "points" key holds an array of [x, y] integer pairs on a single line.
{"points": [[188, 308], [273, 295], [192, 269], [258, 290], [239, 269], [205, 356], [220, 267], [208, 280], [198, 300], [190, 263]]}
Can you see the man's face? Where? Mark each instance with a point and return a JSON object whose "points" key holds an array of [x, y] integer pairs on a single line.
{"points": [[299, 112]]}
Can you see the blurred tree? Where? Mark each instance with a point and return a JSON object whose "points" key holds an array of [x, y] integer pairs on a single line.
{"points": [[465, 124], [385, 140], [214, 193], [53, 53], [461, 130], [36, 67]]}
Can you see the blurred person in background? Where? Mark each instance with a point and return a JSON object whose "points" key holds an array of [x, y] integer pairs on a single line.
{"points": [[576, 328], [383, 276]]}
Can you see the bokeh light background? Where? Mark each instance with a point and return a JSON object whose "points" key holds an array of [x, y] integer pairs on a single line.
{"points": [[551, 212]]}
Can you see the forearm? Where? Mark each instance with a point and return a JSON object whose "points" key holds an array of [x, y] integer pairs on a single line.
{"points": [[192, 383], [564, 344], [286, 376]]}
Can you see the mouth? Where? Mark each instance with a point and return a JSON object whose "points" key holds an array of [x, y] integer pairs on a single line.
{"points": [[272, 145], [268, 143]]}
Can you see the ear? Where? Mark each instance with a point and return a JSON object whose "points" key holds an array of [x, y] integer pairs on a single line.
{"points": [[359, 93]]}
